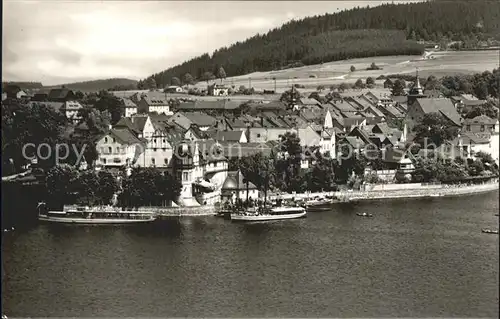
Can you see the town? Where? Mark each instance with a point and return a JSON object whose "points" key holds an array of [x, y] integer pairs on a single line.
{"points": [[217, 145]]}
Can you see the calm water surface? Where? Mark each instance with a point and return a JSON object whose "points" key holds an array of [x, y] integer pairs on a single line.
{"points": [[414, 258]]}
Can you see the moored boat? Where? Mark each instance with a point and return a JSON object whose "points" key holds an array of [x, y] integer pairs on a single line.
{"points": [[489, 231], [95, 216], [364, 215], [268, 214]]}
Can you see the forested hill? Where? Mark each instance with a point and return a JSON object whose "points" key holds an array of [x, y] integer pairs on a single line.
{"points": [[98, 85], [369, 32], [86, 86]]}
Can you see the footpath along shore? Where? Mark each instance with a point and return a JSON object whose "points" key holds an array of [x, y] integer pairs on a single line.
{"points": [[371, 192]]}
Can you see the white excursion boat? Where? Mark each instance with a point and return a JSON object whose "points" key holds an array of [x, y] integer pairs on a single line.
{"points": [[86, 215], [274, 213]]}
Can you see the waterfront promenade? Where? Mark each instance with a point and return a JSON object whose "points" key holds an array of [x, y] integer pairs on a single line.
{"points": [[371, 192]]}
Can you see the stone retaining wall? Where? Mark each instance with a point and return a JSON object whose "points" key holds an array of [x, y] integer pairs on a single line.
{"points": [[181, 211], [431, 192]]}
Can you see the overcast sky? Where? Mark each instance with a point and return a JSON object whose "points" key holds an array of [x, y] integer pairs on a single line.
{"points": [[66, 41]]}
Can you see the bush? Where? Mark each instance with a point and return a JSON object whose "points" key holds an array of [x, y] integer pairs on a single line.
{"points": [[373, 66], [353, 68]]}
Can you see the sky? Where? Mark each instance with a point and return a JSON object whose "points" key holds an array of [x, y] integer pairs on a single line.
{"points": [[60, 41]]}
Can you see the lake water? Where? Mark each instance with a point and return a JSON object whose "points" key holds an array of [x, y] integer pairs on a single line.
{"points": [[425, 258]]}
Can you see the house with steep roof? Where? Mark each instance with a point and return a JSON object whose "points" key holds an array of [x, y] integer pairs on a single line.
{"points": [[422, 106], [480, 134], [327, 142], [480, 124], [194, 133], [186, 119], [236, 136], [308, 136], [201, 167], [236, 187], [129, 107], [119, 147], [160, 143], [309, 102], [61, 95]]}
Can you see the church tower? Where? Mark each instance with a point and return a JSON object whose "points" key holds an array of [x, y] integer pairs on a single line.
{"points": [[416, 92]]}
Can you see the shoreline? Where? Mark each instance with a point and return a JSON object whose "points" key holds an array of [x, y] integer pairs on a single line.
{"points": [[430, 191]]}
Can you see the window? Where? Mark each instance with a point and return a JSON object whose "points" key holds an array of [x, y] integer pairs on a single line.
{"points": [[103, 160], [110, 150], [258, 135], [185, 176], [105, 140], [153, 161], [118, 149], [482, 128], [166, 161], [114, 140], [154, 149], [467, 128]]}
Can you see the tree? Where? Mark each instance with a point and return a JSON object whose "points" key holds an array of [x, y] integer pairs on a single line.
{"points": [[290, 95], [359, 84], [87, 188], [487, 109], [175, 81], [61, 183], [353, 68], [188, 79], [23, 124], [370, 81], [434, 128], [107, 187], [320, 88], [432, 83], [481, 90], [343, 86], [221, 74], [398, 88], [111, 104], [207, 76], [148, 187], [151, 83]]}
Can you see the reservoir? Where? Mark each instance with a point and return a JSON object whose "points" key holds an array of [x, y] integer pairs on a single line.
{"points": [[414, 258]]}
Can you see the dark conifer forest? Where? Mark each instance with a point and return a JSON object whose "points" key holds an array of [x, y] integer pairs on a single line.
{"points": [[390, 29]]}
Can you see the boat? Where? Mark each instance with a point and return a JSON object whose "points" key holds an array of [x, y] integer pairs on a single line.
{"points": [[364, 215], [318, 202], [268, 214], [489, 231], [94, 216]]}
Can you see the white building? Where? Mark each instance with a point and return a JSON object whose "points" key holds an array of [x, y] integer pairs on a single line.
{"points": [[235, 187], [218, 90], [119, 147], [130, 108]]}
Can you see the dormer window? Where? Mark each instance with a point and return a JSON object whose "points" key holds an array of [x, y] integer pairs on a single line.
{"points": [[482, 127]]}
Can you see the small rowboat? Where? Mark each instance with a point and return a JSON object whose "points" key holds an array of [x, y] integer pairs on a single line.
{"points": [[489, 231], [364, 215]]}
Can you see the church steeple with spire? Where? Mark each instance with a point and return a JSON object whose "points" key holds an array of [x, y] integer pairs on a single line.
{"points": [[416, 92]]}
